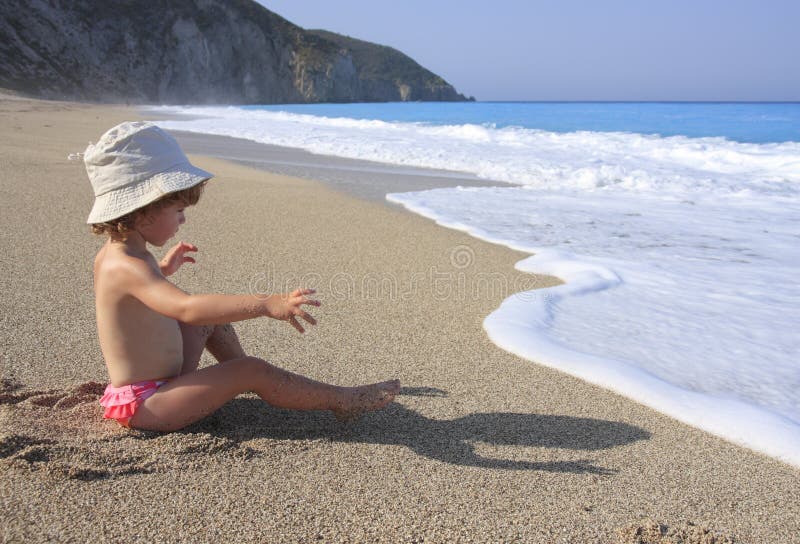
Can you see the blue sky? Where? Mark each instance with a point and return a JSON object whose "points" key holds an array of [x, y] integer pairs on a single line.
{"points": [[582, 49]]}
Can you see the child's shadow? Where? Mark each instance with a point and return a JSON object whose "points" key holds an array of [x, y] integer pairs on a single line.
{"points": [[450, 441]]}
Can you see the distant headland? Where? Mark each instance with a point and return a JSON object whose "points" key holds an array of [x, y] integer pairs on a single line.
{"points": [[197, 52]]}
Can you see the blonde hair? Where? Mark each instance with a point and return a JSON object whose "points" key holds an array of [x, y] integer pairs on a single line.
{"points": [[119, 228]]}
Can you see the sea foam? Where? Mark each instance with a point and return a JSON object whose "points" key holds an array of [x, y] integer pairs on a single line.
{"points": [[535, 158], [688, 307]]}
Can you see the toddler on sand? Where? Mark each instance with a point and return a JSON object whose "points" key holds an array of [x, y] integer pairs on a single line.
{"points": [[151, 332]]}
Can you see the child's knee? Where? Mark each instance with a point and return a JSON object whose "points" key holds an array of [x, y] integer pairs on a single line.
{"points": [[221, 331], [224, 344], [197, 331]]}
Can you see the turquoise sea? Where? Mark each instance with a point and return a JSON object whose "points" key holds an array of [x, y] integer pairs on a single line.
{"points": [[741, 122]]}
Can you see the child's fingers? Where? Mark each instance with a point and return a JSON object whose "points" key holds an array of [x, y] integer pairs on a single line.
{"points": [[297, 301], [295, 324], [307, 317], [184, 246], [189, 260], [301, 292]]}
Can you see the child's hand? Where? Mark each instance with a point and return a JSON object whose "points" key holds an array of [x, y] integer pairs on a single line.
{"points": [[175, 257], [287, 307]]}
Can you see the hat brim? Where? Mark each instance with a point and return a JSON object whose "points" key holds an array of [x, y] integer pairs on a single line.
{"points": [[122, 201]]}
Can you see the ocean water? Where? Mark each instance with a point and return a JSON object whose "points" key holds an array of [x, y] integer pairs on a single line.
{"points": [[676, 228]]}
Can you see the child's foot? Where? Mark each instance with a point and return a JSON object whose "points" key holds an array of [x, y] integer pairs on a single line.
{"points": [[366, 398]]}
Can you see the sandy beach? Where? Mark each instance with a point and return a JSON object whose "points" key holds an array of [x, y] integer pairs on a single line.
{"points": [[480, 445]]}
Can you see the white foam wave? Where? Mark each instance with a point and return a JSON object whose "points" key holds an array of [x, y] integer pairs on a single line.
{"points": [[689, 308], [535, 158]]}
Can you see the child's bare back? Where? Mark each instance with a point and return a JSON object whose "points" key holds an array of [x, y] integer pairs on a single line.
{"points": [[151, 332], [152, 346]]}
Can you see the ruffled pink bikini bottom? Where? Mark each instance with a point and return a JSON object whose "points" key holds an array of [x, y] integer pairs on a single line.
{"points": [[122, 402]]}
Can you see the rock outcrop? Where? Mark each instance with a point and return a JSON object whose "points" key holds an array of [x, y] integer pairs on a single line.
{"points": [[195, 52]]}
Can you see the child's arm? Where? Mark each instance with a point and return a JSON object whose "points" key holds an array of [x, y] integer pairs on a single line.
{"points": [[161, 296]]}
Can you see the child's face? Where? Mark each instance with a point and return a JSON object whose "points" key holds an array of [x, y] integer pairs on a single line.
{"points": [[158, 226]]}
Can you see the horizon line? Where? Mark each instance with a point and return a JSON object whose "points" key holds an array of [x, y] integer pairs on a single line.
{"points": [[644, 101]]}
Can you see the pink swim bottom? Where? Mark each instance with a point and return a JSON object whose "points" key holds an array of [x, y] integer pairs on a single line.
{"points": [[122, 402]]}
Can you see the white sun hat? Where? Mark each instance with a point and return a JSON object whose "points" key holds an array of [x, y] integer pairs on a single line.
{"points": [[134, 164]]}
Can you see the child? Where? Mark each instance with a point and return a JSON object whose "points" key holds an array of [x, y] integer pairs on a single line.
{"points": [[152, 333]]}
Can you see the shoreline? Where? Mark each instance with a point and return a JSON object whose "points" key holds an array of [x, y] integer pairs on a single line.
{"points": [[480, 444], [362, 179]]}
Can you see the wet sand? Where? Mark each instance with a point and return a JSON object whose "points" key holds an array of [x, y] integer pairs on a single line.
{"points": [[479, 446]]}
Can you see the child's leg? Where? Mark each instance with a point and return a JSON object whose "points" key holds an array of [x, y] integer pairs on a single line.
{"points": [[191, 397], [220, 340], [224, 345]]}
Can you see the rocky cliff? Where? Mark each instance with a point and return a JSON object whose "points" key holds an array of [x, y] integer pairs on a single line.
{"points": [[195, 51]]}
